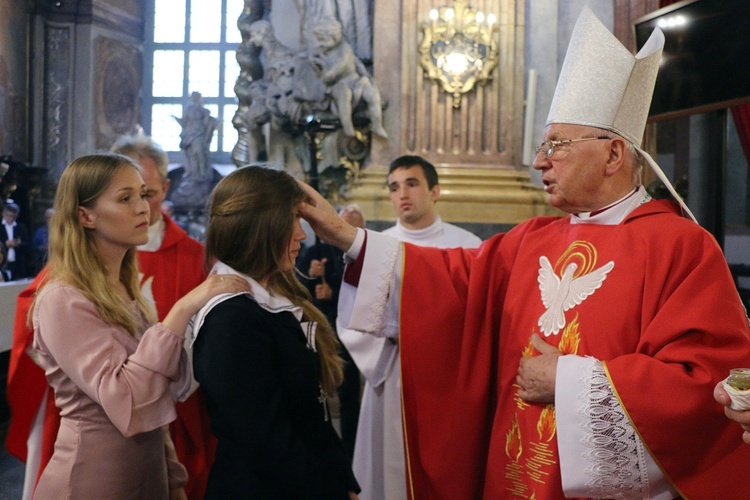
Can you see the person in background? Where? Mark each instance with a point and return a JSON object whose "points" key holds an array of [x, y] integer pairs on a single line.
{"points": [[170, 265], [4, 275], [15, 239], [573, 355], [379, 462], [40, 241], [116, 374], [267, 361], [322, 267]]}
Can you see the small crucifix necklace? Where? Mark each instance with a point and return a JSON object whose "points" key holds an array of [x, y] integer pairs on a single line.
{"points": [[323, 399]]}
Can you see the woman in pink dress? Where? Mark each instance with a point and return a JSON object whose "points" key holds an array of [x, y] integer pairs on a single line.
{"points": [[115, 373]]}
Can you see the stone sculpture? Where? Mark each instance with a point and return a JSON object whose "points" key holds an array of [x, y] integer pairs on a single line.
{"points": [[198, 127], [324, 80]]}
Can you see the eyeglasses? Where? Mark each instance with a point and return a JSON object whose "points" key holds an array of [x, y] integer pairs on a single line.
{"points": [[548, 147]]}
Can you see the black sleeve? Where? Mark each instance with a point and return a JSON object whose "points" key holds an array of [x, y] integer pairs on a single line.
{"points": [[236, 362], [335, 270]]}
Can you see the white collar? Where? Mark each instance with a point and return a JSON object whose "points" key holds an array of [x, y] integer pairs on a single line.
{"points": [[155, 236], [424, 233], [616, 212], [264, 298]]}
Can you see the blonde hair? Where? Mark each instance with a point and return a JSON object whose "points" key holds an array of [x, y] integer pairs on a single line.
{"points": [[250, 228], [73, 255]]}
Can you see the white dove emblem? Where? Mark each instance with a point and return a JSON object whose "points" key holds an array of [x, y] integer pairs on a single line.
{"points": [[559, 295]]}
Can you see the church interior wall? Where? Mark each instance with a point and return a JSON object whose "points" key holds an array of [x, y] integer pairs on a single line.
{"points": [[55, 103], [79, 119]]}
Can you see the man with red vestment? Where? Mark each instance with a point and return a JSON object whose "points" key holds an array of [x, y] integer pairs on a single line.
{"points": [[572, 356], [171, 264]]}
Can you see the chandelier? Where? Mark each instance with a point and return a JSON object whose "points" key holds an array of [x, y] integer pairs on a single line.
{"points": [[458, 48]]}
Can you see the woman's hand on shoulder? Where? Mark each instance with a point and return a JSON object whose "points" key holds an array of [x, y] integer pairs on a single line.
{"points": [[191, 303]]}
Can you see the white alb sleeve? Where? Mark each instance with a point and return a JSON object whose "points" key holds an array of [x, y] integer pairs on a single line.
{"points": [[601, 454]]}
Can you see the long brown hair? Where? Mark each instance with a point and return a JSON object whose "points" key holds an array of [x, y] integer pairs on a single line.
{"points": [[250, 229], [73, 255]]}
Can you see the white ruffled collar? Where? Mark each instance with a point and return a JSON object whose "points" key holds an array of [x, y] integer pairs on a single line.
{"points": [[265, 299]]}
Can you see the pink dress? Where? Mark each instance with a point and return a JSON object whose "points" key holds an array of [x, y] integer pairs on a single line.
{"points": [[115, 394]]}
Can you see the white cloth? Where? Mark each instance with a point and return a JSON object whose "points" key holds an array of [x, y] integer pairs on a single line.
{"points": [[155, 236], [379, 463], [740, 399], [370, 308]]}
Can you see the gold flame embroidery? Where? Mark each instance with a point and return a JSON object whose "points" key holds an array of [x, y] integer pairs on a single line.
{"points": [[571, 338], [546, 425], [513, 448]]}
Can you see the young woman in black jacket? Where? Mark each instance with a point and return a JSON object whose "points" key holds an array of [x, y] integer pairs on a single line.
{"points": [[267, 362]]}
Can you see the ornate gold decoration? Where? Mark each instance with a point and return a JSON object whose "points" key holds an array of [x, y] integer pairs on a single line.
{"points": [[582, 253], [458, 48]]}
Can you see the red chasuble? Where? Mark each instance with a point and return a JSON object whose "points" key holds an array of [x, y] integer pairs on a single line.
{"points": [[26, 385], [666, 321]]}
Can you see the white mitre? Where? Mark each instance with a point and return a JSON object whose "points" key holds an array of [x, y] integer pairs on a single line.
{"points": [[603, 85]]}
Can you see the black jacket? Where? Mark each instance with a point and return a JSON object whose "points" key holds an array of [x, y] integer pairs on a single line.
{"points": [[261, 384]]}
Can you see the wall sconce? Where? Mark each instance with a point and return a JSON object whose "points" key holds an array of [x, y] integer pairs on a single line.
{"points": [[458, 48]]}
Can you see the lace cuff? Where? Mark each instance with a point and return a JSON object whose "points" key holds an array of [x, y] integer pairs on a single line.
{"points": [[601, 456]]}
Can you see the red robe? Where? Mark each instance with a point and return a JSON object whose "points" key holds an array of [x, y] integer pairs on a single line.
{"points": [[27, 384], [171, 272], [666, 322]]}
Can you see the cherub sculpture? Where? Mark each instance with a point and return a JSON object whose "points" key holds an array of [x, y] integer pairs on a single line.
{"points": [[346, 77]]}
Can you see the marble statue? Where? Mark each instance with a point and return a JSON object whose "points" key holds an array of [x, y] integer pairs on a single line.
{"points": [[348, 80], [252, 113], [279, 89], [198, 127], [354, 16], [284, 112]]}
